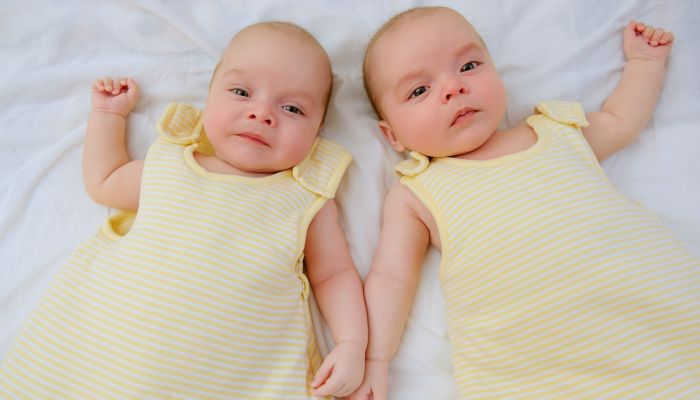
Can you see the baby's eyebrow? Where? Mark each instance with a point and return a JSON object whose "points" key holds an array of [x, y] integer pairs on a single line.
{"points": [[471, 47], [232, 71], [307, 99], [407, 78]]}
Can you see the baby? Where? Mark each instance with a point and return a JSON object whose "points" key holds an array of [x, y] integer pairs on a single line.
{"points": [[202, 294], [555, 285]]}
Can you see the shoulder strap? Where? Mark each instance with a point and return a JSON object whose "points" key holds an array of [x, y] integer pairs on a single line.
{"points": [[323, 168], [567, 118], [569, 113], [182, 124], [412, 166]]}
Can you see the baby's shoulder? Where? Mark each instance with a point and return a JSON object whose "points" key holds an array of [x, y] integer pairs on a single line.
{"points": [[401, 203], [399, 196]]}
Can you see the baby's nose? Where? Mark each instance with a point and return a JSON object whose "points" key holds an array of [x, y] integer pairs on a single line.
{"points": [[262, 116], [453, 88]]}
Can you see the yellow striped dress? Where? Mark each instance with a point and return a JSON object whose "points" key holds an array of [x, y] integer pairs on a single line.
{"points": [[557, 286], [201, 295]]}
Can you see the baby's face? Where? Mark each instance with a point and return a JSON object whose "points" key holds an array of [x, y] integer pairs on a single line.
{"points": [[267, 100], [437, 86]]}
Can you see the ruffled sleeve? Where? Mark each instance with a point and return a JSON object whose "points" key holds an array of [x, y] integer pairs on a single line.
{"points": [[182, 124], [323, 168], [414, 165], [569, 113], [564, 120]]}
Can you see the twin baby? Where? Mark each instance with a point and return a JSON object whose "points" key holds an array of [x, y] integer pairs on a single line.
{"points": [[555, 285]]}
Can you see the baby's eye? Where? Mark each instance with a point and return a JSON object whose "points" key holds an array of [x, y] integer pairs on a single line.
{"points": [[418, 91], [292, 109], [240, 92], [468, 66]]}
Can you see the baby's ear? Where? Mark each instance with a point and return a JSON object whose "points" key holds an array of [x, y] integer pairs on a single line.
{"points": [[391, 136]]}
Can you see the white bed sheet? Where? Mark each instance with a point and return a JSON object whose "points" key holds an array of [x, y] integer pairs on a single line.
{"points": [[545, 49]]}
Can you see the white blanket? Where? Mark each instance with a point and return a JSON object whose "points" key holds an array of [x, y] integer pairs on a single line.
{"points": [[51, 51]]}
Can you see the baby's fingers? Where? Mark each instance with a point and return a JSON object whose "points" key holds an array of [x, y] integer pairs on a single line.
{"points": [[331, 387], [656, 36], [132, 87], [108, 84], [115, 86], [322, 373], [119, 85], [363, 393], [666, 38], [648, 32], [103, 85]]}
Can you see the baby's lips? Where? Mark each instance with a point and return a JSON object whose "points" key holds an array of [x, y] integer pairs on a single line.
{"points": [[462, 112]]}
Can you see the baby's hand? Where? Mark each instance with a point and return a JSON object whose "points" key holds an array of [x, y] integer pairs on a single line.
{"points": [[117, 96], [645, 42], [341, 372], [374, 386]]}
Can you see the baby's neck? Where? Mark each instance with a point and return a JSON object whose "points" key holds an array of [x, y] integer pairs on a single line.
{"points": [[216, 165], [502, 143]]}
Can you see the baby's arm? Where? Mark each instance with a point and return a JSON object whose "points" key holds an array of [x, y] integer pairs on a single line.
{"points": [[338, 290], [391, 285], [111, 178], [629, 107]]}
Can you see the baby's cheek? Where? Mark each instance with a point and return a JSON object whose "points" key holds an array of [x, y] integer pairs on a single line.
{"points": [[494, 93], [210, 122], [299, 149]]}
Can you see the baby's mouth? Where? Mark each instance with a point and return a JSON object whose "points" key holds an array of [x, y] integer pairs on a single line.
{"points": [[253, 137], [463, 115]]}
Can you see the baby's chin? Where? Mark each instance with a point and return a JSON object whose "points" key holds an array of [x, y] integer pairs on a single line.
{"points": [[437, 153], [257, 169], [269, 167]]}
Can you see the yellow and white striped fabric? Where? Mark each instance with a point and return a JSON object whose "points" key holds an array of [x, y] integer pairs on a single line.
{"points": [[556, 286], [199, 295]]}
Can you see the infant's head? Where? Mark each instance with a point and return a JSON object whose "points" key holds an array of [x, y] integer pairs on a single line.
{"points": [[268, 97], [433, 83]]}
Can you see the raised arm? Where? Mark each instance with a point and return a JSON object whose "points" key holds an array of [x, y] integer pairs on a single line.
{"points": [[338, 290], [391, 286], [629, 107], [111, 178]]}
